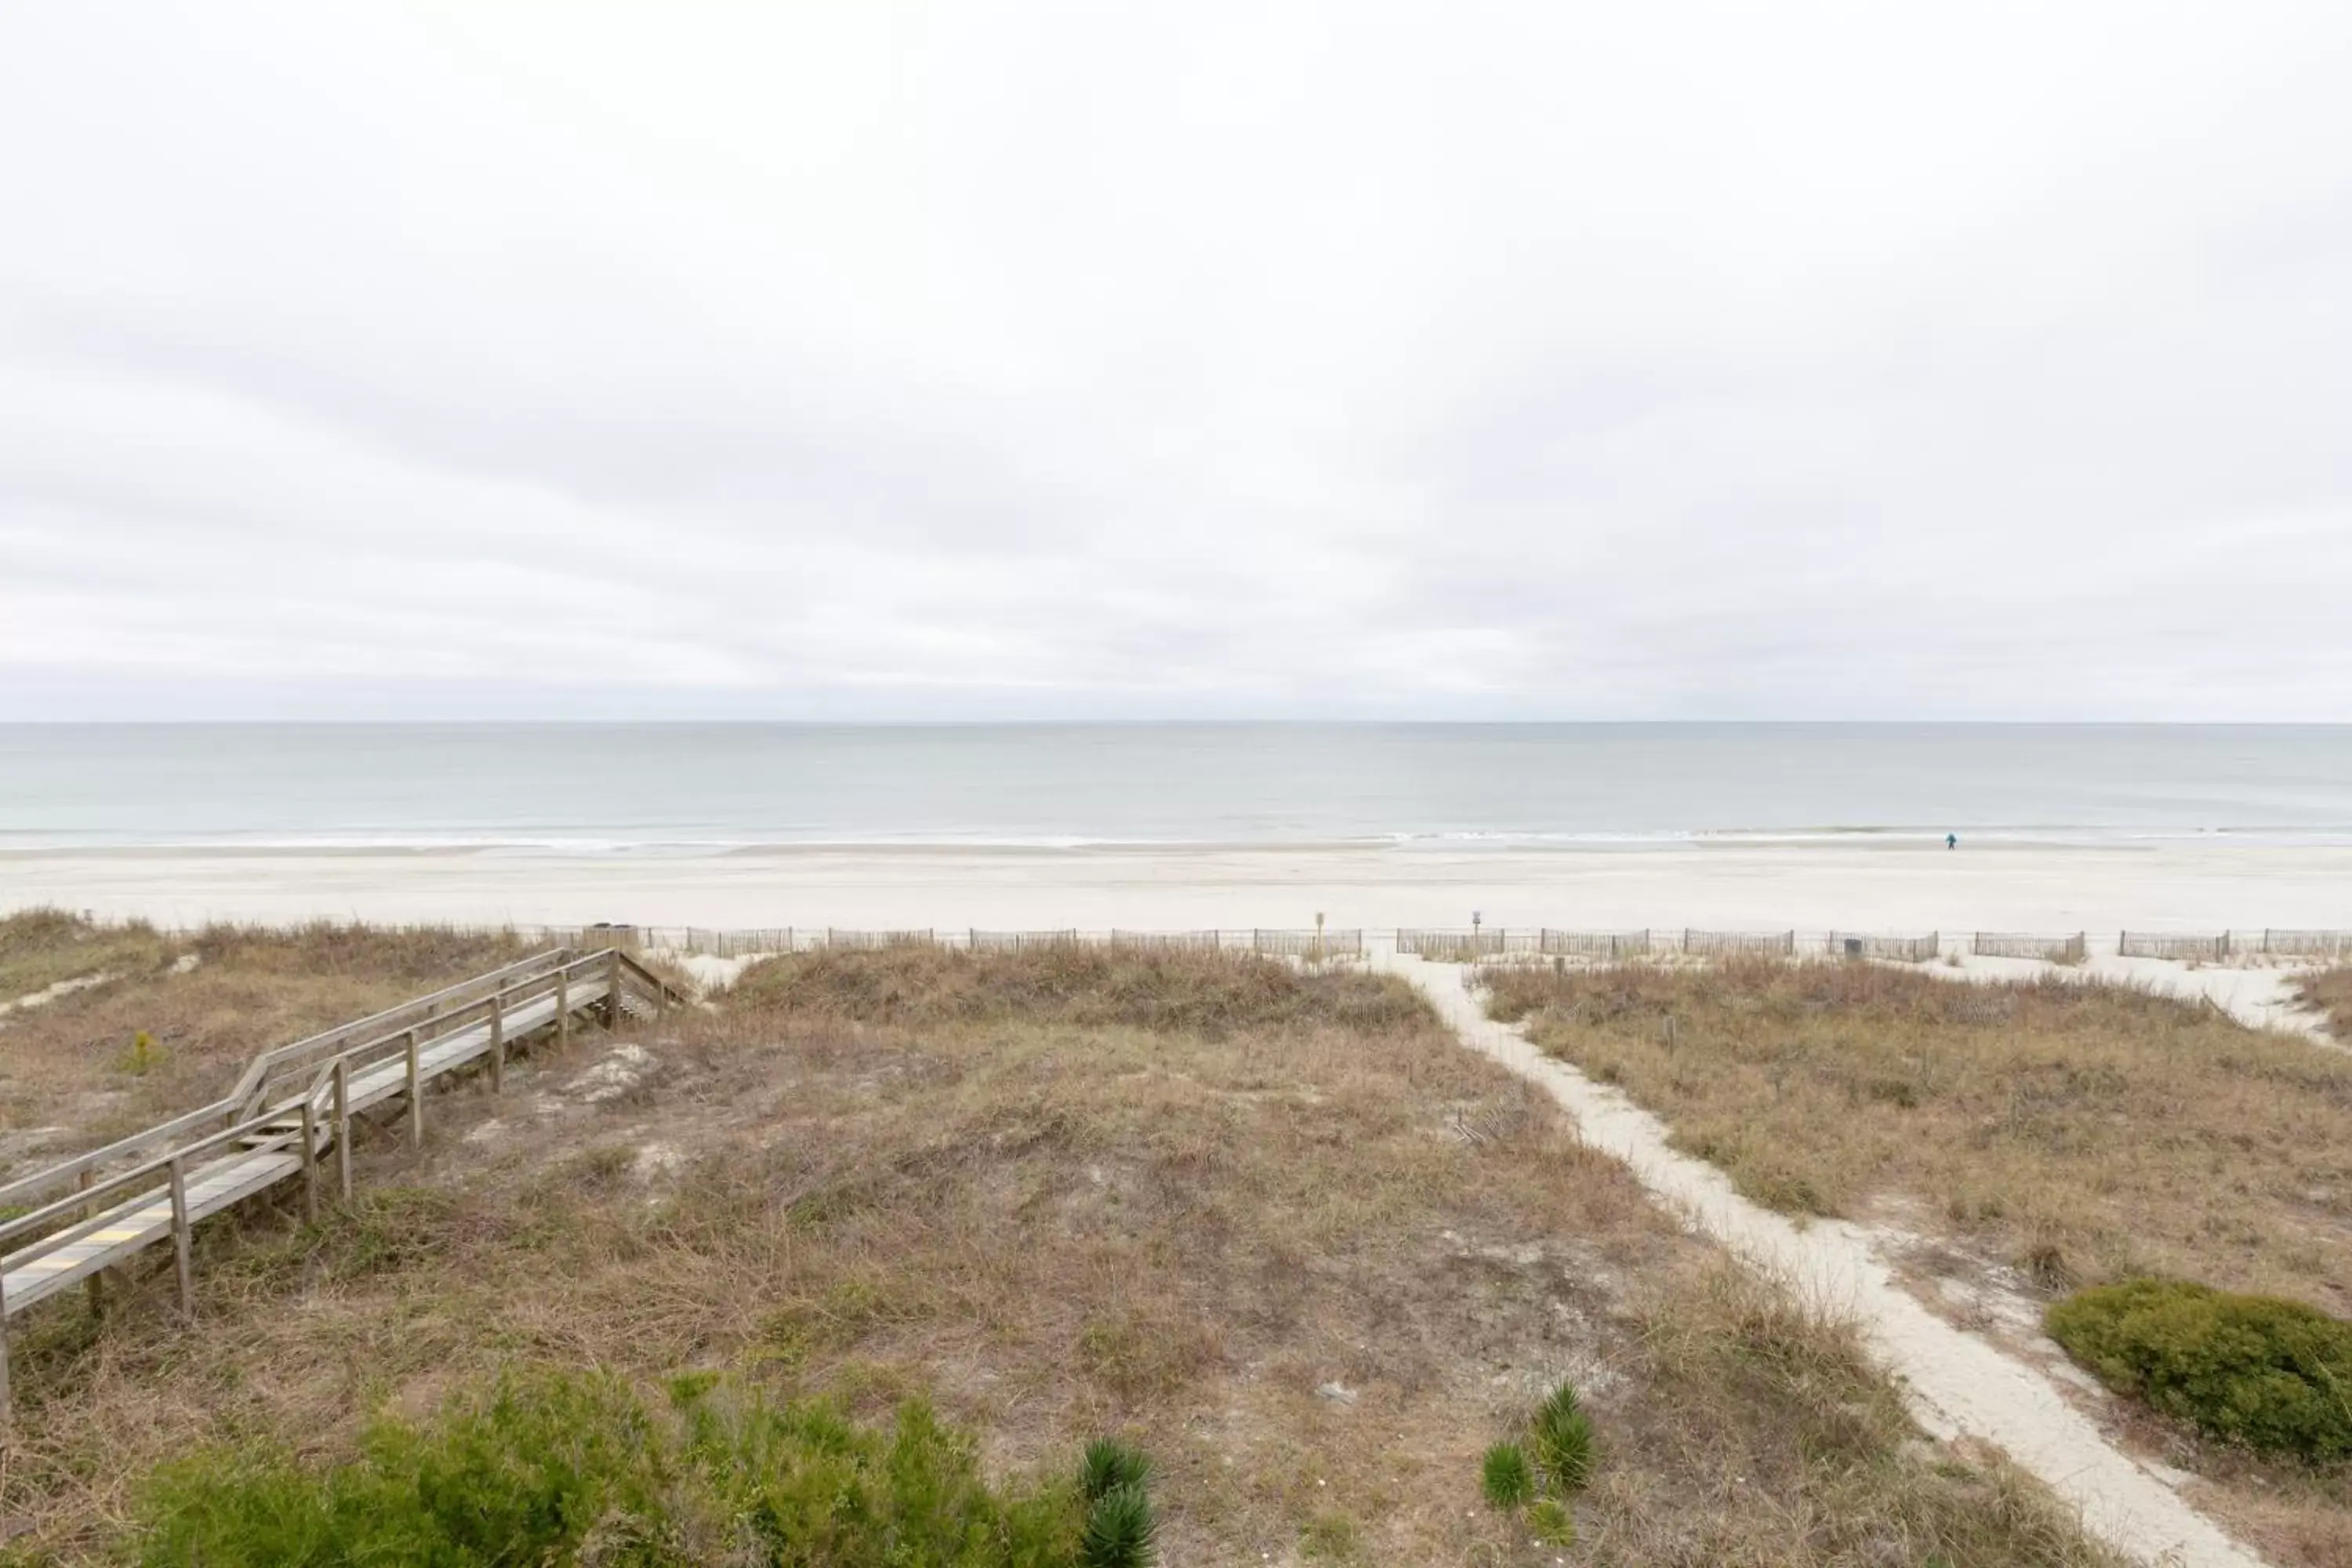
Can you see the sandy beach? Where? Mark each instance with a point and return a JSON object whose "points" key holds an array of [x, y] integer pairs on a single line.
{"points": [[2171, 886]]}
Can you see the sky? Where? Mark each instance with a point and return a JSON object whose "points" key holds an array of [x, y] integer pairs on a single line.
{"points": [[849, 359]]}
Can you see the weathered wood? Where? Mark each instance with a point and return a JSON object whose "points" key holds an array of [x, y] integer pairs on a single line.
{"points": [[181, 1241], [16, 1193], [343, 1127], [562, 1008], [7, 1410], [416, 1095], [97, 1279], [499, 1041], [309, 1163], [387, 1022], [215, 1159]]}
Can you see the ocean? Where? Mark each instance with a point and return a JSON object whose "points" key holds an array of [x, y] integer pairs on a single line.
{"points": [[702, 789]]}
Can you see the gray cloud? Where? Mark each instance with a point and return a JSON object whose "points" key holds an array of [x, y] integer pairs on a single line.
{"points": [[1486, 360]]}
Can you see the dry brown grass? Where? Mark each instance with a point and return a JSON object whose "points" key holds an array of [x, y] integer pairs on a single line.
{"points": [[70, 1077], [1172, 1196], [2046, 1135], [2329, 993], [40, 947]]}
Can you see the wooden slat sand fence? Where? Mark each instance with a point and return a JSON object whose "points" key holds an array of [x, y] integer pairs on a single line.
{"points": [[1020, 941], [1901, 948], [722, 943], [1602, 944], [1729, 943], [2165, 944], [2022, 945], [1464, 945], [1308, 943], [2307, 943], [875, 940], [289, 1113], [1168, 941]]}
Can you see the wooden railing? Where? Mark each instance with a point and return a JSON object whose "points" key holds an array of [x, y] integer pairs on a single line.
{"points": [[84, 1215]]}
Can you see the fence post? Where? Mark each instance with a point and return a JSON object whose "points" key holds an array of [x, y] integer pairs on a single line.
{"points": [[98, 1277], [6, 1410], [343, 1126], [563, 1007], [498, 1040], [415, 1096], [180, 1239], [612, 990], [310, 1162]]}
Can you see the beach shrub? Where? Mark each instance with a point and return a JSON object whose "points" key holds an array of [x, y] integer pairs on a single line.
{"points": [[1563, 1439], [1121, 1530], [1507, 1477], [141, 1058], [561, 1470], [1109, 1463], [1552, 1523], [2271, 1374]]}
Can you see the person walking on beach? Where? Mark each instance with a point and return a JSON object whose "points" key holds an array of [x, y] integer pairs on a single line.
{"points": [[1951, 841]]}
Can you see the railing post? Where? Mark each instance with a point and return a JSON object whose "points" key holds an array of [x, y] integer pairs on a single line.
{"points": [[309, 1162], [6, 1408], [415, 1096], [343, 1126], [181, 1240], [498, 1040], [98, 1277], [563, 1007], [612, 990]]}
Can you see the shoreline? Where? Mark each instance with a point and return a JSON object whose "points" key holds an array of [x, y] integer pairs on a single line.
{"points": [[1859, 887], [1906, 841]]}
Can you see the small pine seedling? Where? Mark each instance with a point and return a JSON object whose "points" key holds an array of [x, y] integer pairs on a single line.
{"points": [[1121, 1531], [1563, 1439], [1509, 1481], [1551, 1522], [1109, 1465]]}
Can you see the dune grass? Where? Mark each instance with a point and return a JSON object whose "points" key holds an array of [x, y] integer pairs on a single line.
{"points": [[1276, 1230], [2041, 1137], [2080, 1133], [38, 948], [2328, 992], [77, 1064]]}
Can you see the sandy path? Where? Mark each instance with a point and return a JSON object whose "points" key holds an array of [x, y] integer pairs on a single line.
{"points": [[50, 994], [1958, 1384]]}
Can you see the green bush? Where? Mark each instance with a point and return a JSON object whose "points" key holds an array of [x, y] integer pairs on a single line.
{"points": [[2271, 1374], [1563, 1439], [554, 1469], [1507, 1477]]}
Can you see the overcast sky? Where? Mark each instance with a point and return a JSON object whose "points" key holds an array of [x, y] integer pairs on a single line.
{"points": [[838, 358]]}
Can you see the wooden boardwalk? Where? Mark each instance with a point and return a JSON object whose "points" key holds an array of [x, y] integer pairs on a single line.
{"points": [[289, 1119]]}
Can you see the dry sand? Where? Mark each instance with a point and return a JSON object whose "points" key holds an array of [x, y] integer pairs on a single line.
{"points": [[1958, 1384], [2174, 887]]}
